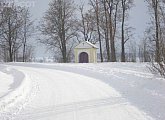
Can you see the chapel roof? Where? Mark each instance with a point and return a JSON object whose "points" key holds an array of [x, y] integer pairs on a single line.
{"points": [[86, 44]]}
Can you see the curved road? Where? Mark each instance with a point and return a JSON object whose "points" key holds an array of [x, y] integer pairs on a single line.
{"points": [[63, 95]]}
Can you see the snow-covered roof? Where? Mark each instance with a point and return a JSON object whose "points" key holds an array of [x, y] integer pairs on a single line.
{"points": [[86, 44]]}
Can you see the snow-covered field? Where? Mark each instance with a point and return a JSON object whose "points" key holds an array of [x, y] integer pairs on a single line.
{"points": [[103, 91]]}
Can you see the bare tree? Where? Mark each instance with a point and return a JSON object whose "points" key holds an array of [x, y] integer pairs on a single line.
{"points": [[125, 6], [29, 53], [27, 30], [111, 9], [95, 5], [14, 32], [11, 30], [87, 25], [57, 27], [154, 5], [106, 30], [156, 8], [144, 52], [131, 52]]}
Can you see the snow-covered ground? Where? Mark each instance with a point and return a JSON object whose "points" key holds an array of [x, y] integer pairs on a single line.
{"points": [[103, 91]]}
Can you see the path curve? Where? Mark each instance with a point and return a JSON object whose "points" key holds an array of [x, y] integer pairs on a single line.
{"points": [[69, 96]]}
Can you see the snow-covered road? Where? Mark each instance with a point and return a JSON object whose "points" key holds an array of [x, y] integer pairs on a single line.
{"points": [[61, 95]]}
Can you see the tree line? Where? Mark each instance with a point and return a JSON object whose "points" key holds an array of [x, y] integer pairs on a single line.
{"points": [[104, 22], [153, 45], [15, 30]]}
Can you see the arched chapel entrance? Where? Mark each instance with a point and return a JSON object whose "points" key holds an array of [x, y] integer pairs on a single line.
{"points": [[83, 57]]}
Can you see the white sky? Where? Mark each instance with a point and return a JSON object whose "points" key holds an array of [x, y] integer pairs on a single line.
{"points": [[138, 18]]}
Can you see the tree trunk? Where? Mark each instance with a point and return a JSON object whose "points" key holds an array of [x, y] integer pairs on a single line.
{"points": [[157, 57], [98, 30], [24, 52], [112, 31], [63, 34], [123, 32], [106, 32], [10, 42], [24, 42]]}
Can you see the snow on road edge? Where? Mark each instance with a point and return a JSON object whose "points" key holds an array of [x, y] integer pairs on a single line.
{"points": [[12, 103]]}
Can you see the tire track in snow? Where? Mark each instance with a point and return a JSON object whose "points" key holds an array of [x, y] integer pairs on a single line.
{"points": [[20, 93], [69, 106], [122, 109], [77, 106]]}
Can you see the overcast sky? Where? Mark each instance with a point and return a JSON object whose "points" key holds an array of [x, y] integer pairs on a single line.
{"points": [[138, 17]]}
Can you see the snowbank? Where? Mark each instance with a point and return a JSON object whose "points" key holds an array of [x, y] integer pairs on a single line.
{"points": [[6, 81], [17, 94]]}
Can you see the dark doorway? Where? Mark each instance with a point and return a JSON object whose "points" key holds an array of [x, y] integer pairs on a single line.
{"points": [[83, 57]]}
